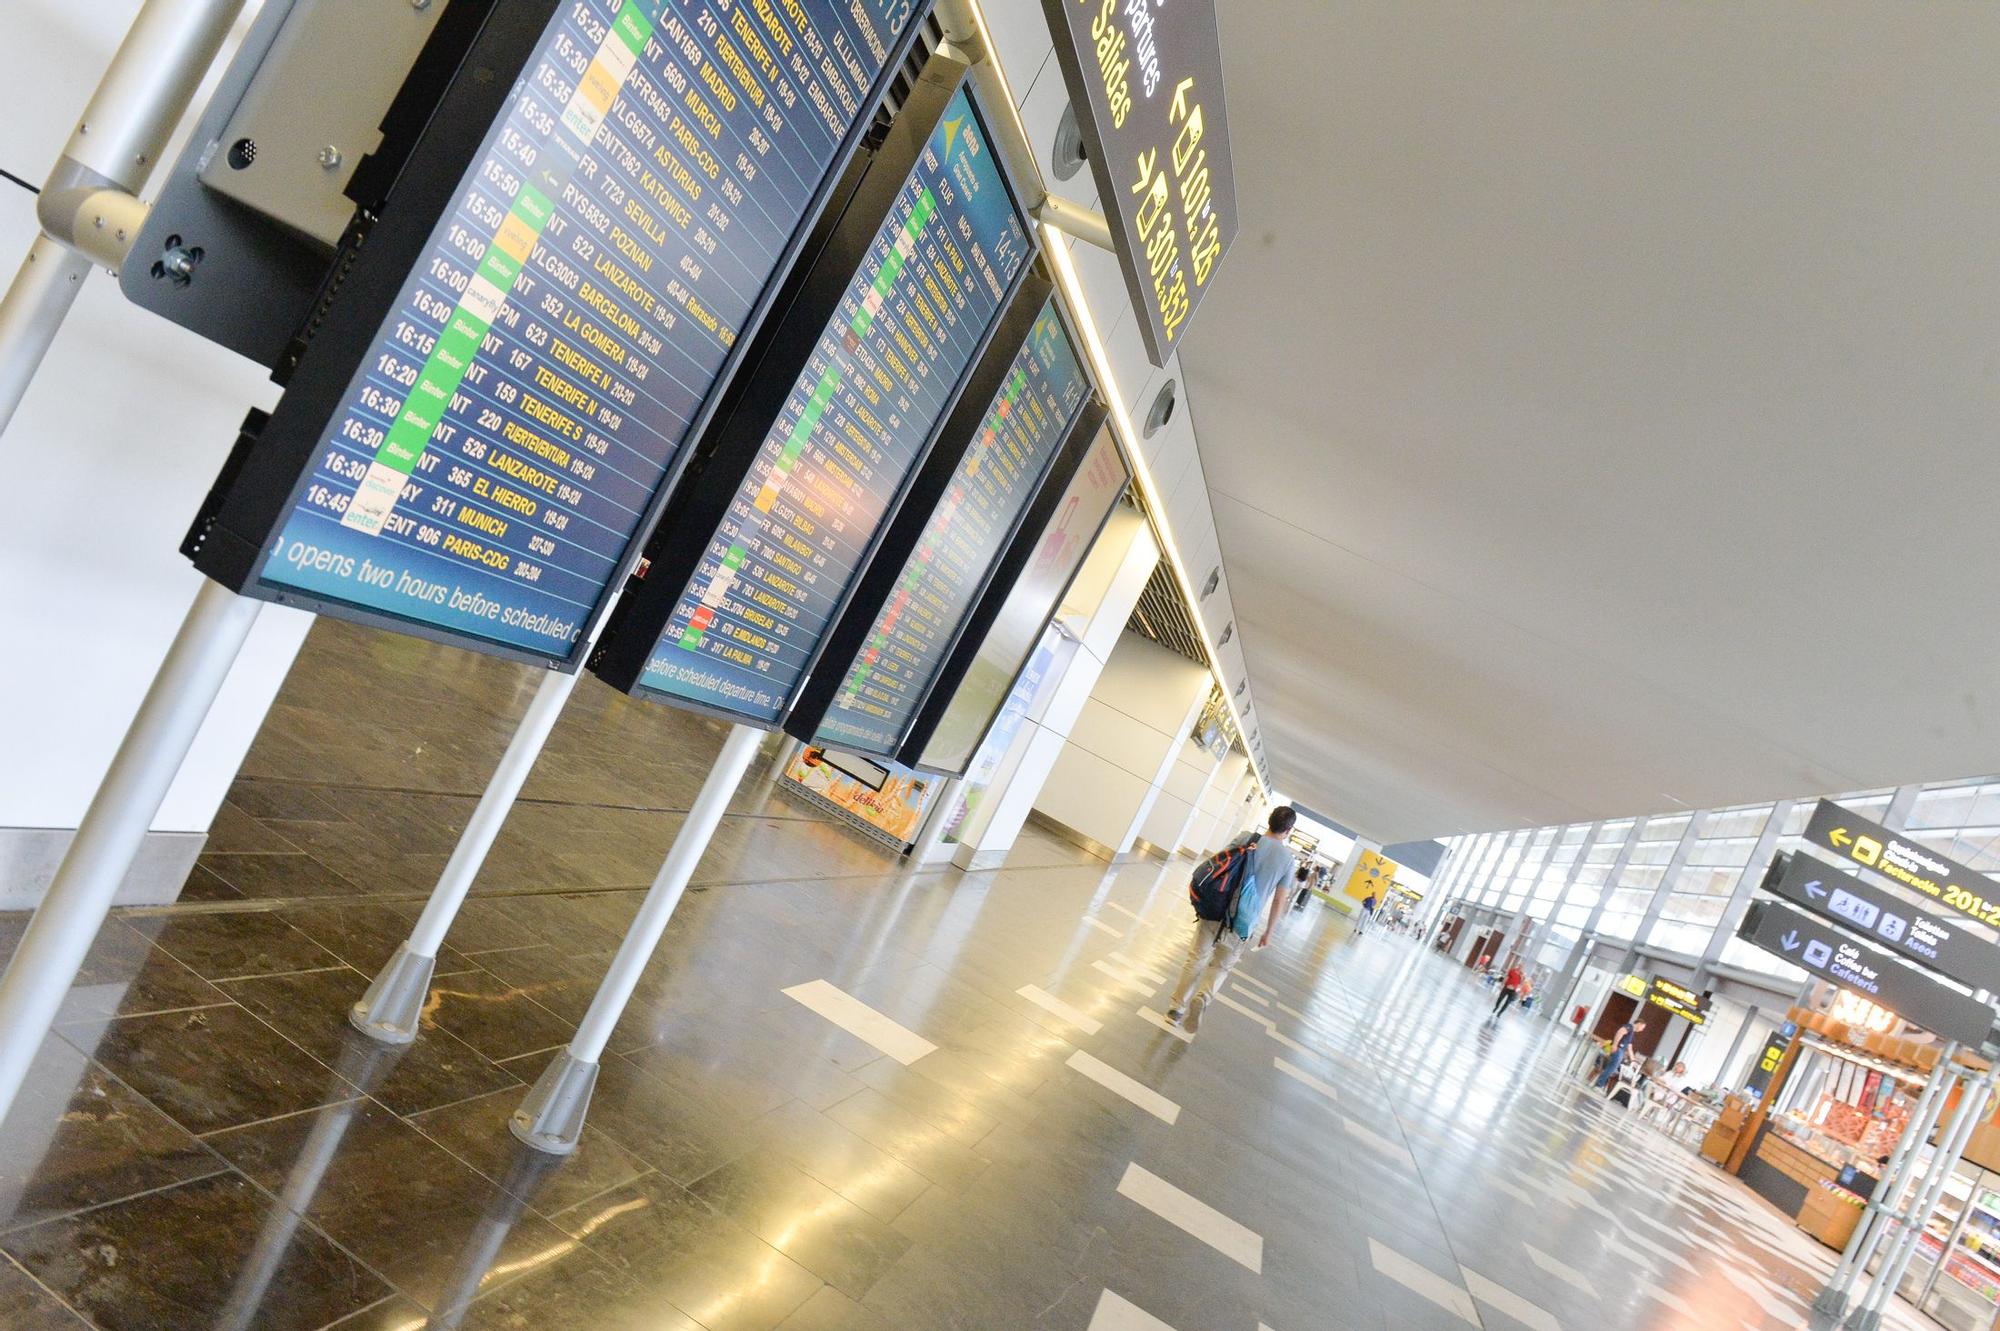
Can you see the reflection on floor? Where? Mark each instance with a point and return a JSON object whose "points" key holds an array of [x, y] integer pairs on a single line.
{"points": [[849, 1097], [896, 1102]]}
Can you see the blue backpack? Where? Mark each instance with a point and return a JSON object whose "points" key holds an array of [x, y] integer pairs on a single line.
{"points": [[1218, 883]]}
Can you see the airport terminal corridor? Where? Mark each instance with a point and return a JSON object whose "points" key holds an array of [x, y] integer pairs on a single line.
{"points": [[850, 1096]]}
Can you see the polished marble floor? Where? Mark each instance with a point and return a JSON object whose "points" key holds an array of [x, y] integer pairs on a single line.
{"points": [[849, 1096]]}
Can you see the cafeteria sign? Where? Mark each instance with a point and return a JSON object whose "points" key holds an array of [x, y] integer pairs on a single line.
{"points": [[1145, 80]]}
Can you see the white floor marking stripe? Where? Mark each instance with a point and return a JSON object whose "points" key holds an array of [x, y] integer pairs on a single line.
{"points": [[1379, 1142], [1255, 983], [1102, 927], [1111, 1079], [1299, 1074], [1145, 968], [1507, 1301], [1124, 910], [1191, 1214], [1251, 995], [1159, 1019], [1116, 1314], [858, 1019], [1422, 1281], [1048, 1002], [1251, 1013]]}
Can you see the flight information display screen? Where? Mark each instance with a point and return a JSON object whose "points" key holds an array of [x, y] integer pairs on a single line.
{"points": [[1024, 427], [1031, 602], [507, 433], [855, 425]]}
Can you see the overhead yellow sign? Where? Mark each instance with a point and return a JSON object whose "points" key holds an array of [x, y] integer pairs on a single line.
{"points": [[1373, 876]]}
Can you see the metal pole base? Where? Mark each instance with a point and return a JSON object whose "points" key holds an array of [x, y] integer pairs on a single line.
{"points": [[1865, 1320], [551, 1118], [391, 1009], [1832, 1302]]}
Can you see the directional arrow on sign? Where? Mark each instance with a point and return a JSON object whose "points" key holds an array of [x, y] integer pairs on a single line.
{"points": [[1840, 837], [1814, 890], [1791, 940]]}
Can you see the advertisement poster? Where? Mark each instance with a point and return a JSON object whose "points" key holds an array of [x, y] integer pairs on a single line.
{"points": [[886, 798], [1050, 655]]}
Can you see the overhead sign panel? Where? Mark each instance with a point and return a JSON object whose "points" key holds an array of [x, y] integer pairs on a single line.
{"points": [[1857, 840], [1017, 438], [1868, 971], [1679, 1000], [1929, 937], [498, 396], [1145, 81], [756, 563]]}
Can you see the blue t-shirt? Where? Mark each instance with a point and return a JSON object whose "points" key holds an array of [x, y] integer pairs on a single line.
{"points": [[1270, 864]]}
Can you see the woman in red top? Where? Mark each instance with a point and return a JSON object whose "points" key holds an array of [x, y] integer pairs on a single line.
{"points": [[1510, 990]]}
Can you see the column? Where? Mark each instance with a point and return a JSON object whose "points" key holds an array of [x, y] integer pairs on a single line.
{"points": [[1125, 747], [1586, 941], [1754, 869], [1675, 863], [1177, 799], [1104, 592]]}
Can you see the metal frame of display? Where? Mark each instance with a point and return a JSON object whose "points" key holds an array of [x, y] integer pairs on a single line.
{"points": [[272, 463], [845, 639], [725, 455], [1084, 433]]}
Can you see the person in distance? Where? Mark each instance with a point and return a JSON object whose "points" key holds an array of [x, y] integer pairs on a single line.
{"points": [[1220, 943]]}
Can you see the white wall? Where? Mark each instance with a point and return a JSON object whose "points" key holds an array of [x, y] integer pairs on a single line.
{"points": [[1132, 723], [1186, 782], [118, 440]]}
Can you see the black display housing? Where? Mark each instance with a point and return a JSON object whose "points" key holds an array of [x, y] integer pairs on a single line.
{"points": [[1006, 573], [722, 457], [429, 152]]}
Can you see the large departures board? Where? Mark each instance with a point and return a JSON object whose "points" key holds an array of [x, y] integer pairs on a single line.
{"points": [[587, 228], [1035, 575], [762, 548], [911, 612]]}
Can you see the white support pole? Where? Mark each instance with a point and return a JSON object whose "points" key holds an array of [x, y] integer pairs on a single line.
{"points": [[551, 1117], [1867, 1236], [119, 816], [1951, 1146], [391, 1009], [112, 150]]}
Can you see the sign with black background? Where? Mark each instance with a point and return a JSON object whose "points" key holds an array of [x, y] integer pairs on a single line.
{"points": [[1146, 83], [1868, 971], [1857, 840], [1927, 937], [486, 420]]}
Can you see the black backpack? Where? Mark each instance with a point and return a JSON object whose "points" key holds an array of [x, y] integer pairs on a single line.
{"points": [[1218, 882]]}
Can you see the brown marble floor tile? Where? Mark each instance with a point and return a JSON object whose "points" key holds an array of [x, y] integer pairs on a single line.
{"points": [[281, 801], [830, 1310], [210, 1252], [861, 1172], [917, 1142], [233, 831], [582, 1290], [484, 925], [76, 1138], [26, 1306], [232, 944], [476, 1132], [764, 1067], [364, 934], [210, 1068], [396, 1199], [310, 1009], [494, 1017], [718, 1273], [392, 1314], [281, 876], [202, 885], [674, 1129], [561, 982], [124, 974], [804, 1219]]}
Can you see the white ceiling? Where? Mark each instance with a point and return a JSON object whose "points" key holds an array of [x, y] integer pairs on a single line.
{"points": [[1601, 403]]}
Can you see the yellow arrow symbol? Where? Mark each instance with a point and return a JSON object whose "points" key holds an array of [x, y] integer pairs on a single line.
{"points": [[1840, 838], [1179, 108]]}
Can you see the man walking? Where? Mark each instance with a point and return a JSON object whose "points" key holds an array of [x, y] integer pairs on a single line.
{"points": [[1218, 945]]}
